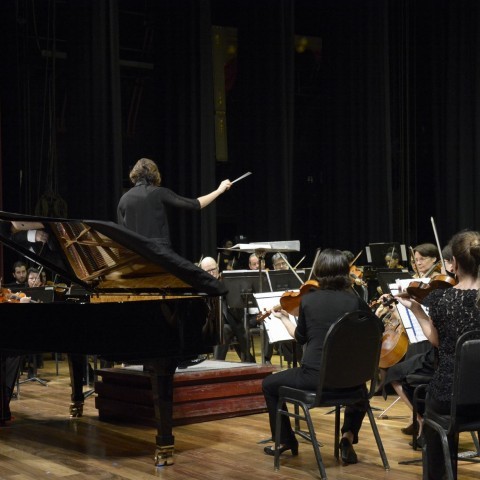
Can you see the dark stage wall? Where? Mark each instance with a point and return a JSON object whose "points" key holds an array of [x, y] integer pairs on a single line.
{"points": [[360, 141]]}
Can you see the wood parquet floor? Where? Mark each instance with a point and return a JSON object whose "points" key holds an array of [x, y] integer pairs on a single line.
{"points": [[43, 443]]}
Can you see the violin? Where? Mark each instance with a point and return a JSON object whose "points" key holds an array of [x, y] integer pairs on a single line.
{"points": [[7, 296], [290, 301], [266, 313], [419, 290]]}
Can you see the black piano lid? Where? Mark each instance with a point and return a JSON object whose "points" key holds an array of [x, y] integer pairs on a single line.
{"points": [[104, 257]]}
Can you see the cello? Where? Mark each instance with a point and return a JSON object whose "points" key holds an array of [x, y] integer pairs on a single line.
{"points": [[394, 340]]}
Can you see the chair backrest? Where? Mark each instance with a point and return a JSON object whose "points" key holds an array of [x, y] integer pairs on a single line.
{"points": [[351, 352], [466, 387]]}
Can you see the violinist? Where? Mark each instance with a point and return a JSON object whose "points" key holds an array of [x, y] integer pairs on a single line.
{"points": [[452, 312], [34, 278], [420, 357], [426, 261], [319, 309], [356, 274], [392, 260]]}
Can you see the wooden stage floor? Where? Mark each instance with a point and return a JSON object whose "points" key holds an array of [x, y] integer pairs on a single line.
{"points": [[43, 443]]}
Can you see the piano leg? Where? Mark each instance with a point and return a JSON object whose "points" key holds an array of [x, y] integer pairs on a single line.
{"points": [[4, 407], [76, 366], [161, 375], [9, 369]]}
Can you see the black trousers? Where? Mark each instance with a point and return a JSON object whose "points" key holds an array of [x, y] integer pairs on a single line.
{"points": [[305, 379]]}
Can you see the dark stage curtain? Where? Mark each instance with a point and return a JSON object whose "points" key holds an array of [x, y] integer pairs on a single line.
{"points": [[447, 39], [91, 170], [183, 81], [344, 193], [260, 118]]}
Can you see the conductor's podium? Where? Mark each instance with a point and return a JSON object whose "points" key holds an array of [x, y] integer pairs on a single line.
{"points": [[211, 390]]}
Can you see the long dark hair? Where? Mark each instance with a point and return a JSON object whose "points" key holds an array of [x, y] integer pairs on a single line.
{"points": [[332, 270]]}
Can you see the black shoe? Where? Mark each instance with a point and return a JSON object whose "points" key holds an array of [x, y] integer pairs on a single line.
{"points": [[293, 446], [420, 442], [347, 452], [408, 430], [192, 361]]}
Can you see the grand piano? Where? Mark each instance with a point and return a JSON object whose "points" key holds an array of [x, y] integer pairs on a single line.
{"points": [[145, 304]]}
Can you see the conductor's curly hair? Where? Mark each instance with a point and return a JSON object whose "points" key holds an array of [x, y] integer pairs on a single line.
{"points": [[145, 170]]}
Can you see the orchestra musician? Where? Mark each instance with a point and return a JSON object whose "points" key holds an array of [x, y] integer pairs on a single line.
{"points": [[319, 309], [420, 357], [452, 312], [426, 261], [19, 274], [392, 260], [233, 327]]}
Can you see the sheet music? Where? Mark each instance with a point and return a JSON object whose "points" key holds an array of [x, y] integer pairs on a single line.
{"points": [[409, 320], [274, 327]]}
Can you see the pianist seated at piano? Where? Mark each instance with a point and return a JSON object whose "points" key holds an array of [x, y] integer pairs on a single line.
{"points": [[233, 327]]}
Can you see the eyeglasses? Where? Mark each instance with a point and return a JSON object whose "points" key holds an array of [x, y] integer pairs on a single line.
{"points": [[212, 270], [280, 265]]}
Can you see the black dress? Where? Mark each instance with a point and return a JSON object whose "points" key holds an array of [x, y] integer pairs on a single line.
{"points": [[453, 312]]}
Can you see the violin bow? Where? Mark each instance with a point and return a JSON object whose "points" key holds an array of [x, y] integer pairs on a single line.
{"points": [[300, 261], [291, 268], [438, 244], [356, 258], [317, 253], [415, 266]]}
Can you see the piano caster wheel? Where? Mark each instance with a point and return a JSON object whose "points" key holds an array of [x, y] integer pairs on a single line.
{"points": [[164, 456], [76, 409]]}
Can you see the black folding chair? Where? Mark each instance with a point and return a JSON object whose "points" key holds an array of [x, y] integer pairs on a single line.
{"points": [[350, 360], [465, 407]]}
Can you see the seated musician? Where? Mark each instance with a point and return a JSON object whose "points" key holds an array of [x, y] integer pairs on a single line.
{"points": [[19, 274], [34, 278], [420, 357], [284, 348], [318, 310], [392, 260], [233, 327]]}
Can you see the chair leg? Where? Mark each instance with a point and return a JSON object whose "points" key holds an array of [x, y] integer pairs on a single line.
{"points": [[278, 428], [475, 442], [315, 444], [336, 443], [381, 450]]}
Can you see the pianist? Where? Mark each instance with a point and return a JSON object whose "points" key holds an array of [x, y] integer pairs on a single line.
{"points": [[142, 208]]}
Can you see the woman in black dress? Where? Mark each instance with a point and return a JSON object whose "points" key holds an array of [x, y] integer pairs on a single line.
{"points": [[451, 313], [319, 309]]}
